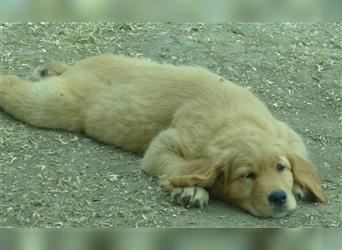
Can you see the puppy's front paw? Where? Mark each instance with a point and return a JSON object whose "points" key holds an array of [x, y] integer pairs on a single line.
{"points": [[191, 197], [298, 191]]}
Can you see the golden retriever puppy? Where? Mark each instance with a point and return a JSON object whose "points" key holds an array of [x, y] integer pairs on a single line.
{"points": [[200, 133]]}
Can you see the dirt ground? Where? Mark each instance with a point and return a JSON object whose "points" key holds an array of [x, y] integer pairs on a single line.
{"points": [[58, 179]]}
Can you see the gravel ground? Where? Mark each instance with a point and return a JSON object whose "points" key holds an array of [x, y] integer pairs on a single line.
{"points": [[58, 179]]}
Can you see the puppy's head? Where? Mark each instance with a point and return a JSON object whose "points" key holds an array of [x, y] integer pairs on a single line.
{"points": [[262, 177]]}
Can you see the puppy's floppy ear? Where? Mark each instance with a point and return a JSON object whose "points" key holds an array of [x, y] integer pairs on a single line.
{"points": [[304, 175], [195, 173]]}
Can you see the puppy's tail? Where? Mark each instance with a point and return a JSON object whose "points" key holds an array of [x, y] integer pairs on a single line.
{"points": [[46, 103]]}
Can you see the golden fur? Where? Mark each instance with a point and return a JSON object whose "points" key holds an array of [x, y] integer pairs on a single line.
{"points": [[200, 133]]}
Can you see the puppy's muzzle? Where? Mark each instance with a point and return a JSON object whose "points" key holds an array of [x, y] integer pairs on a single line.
{"points": [[277, 198]]}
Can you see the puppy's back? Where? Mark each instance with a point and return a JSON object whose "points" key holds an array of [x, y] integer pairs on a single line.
{"points": [[131, 100]]}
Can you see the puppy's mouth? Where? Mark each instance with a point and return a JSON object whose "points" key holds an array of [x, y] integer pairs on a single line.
{"points": [[272, 211], [280, 211]]}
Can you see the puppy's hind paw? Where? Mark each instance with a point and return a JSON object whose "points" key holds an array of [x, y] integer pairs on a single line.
{"points": [[191, 197], [39, 73]]}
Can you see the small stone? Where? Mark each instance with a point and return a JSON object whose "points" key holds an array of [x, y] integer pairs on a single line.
{"points": [[37, 203], [113, 177]]}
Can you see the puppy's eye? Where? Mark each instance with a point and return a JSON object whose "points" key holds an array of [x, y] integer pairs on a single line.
{"points": [[280, 167], [251, 176]]}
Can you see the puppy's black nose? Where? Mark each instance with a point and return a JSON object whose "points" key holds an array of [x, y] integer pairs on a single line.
{"points": [[277, 198]]}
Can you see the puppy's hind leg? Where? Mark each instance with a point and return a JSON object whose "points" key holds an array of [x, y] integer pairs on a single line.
{"points": [[46, 103]]}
